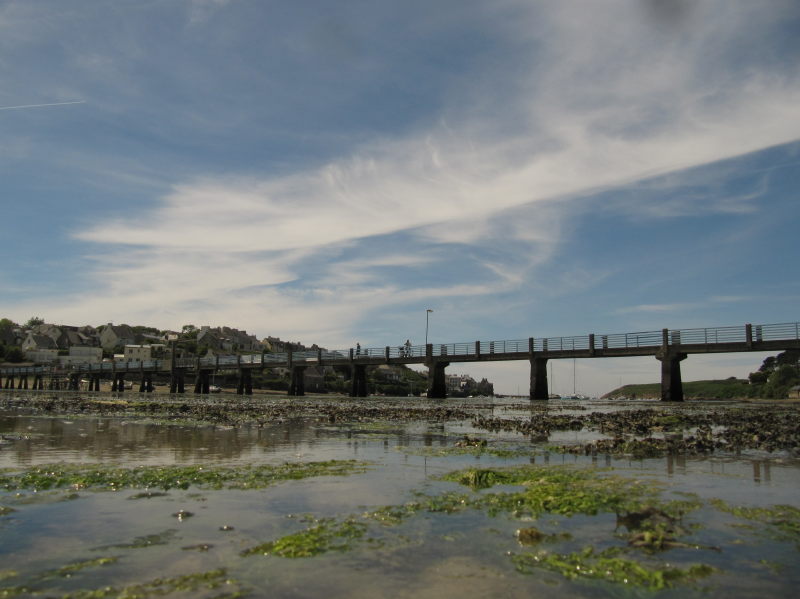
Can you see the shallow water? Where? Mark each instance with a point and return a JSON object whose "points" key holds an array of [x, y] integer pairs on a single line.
{"points": [[432, 554]]}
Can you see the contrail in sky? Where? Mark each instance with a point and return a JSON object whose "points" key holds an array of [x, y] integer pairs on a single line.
{"points": [[40, 105]]}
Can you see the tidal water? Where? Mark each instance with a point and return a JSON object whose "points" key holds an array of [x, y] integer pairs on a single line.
{"points": [[431, 554]]}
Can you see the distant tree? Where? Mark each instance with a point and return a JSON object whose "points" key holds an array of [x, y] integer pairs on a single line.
{"points": [[6, 324], [140, 329], [34, 321], [14, 354], [776, 375]]}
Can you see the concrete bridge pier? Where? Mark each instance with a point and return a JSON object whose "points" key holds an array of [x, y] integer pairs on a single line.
{"points": [[245, 383], [9, 382], [202, 382], [671, 384], [297, 384], [177, 380], [146, 384], [118, 382], [94, 383], [358, 380], [75, 382], [538, 388], [437, 387], [23, 382], [38, 383]]}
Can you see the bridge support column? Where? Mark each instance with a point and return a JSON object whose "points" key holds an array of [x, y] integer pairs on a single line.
{"points": [[538, 388], [74, 382], [10, 382], [202, 382], [245, 384], [97, 379], [671, 384], [38, 384], [437, 387], [358, 380], [297, 385], [177, 381], [23, 382], [146, 384]]}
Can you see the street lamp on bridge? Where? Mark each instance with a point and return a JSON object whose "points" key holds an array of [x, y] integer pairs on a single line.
{"points": [[427, 315]]}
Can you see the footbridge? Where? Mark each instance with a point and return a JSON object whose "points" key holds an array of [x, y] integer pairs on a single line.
{"points": [[668, 346]]}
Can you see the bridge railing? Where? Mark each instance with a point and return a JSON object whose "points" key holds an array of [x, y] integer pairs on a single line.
{"points": [[629, 340], [777, 332], [561, 343], [707, 336], [513, 346]]}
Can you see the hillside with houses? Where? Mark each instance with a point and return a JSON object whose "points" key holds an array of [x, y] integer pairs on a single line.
{"points": [[59, 345]]}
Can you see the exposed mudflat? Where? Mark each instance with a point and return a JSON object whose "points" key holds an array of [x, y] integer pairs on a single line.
{"points": [[140, 495]]}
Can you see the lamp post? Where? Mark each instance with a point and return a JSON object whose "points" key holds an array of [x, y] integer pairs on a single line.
{"points": [[427, 316]]}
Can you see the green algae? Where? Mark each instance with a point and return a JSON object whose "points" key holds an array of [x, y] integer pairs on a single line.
{"points": [[468, 450], [5, 511], [161, 538], [75, 567], [212, 579], [555, 490], [18, 591], [533, 536], [610, 565], [782, 521], [98, 477], [326, 535]]}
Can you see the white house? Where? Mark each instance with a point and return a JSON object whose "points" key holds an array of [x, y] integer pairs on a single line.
{"points": [[81, 354], [143, 353]]}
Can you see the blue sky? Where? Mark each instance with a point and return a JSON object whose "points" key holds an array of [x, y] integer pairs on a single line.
{"points": [[325, 172]]}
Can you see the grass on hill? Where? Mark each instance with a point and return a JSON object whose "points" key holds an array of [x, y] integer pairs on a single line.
{"points": [[731, 388]]}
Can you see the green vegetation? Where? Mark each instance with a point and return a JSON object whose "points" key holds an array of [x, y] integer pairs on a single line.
{"points": [[212, 579], [777, 375], [731, 388], [468, 449], [610, 566], [166, 477], [652, 523], [12, 354], [161, 538], [773, 380], [71, 569], [326, 535], [782, 521], [553, 490]]}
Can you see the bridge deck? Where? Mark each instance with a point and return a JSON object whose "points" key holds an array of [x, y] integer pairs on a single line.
{"points": [[746, 338]]}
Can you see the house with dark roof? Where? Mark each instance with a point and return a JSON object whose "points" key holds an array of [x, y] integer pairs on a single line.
{"points": [[117, 335], [35, 342]]}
